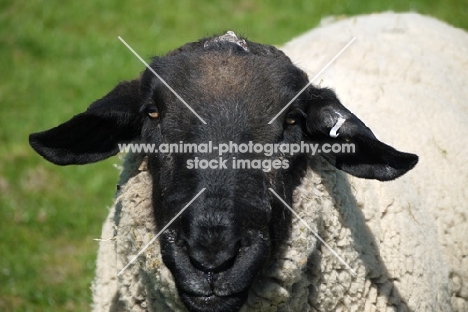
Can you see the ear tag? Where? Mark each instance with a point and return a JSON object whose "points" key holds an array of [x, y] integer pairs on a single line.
{"points": [[336, 127]]}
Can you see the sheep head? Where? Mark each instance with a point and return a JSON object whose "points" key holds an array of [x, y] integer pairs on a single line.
{"points": [[234, 88]]}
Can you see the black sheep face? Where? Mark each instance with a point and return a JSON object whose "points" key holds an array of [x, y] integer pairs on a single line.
{"points": [[216, 247]]}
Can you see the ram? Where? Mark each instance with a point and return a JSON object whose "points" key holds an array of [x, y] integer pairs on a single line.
{"points": [[230, 241]]}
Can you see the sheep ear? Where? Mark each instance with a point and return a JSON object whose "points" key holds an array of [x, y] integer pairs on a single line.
{"points": [[328, 121], [94, 134]]}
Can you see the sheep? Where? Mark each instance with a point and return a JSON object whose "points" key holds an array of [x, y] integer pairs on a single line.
{"points": [[378, 228]]}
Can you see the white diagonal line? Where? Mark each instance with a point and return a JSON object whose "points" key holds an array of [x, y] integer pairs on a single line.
{"points": [[315, 77], [160, 232], [162, 80], [315, 233]]}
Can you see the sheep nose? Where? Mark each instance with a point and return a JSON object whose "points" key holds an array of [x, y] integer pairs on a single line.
{"points": [[220, 265], [213, 260]]}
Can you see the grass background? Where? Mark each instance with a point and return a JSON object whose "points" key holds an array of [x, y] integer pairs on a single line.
{"points": [[56, 57]]}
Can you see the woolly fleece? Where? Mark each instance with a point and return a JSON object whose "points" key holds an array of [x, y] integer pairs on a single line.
{"points": [[405, 76]]}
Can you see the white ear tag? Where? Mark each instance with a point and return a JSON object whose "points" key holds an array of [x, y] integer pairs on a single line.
{"points": [[336, 127]]}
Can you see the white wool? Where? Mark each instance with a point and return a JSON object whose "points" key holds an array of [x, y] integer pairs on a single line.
{"points": [[405, 76]]}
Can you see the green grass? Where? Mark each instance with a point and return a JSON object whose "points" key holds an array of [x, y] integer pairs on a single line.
{"points": [[56, 57]]}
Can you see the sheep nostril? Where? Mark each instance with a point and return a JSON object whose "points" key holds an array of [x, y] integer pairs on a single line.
{"points": [[213, 263], [197, 265], [226, 264], [182, 243]]}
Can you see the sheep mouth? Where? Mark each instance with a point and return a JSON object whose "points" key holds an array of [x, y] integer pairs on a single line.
{"points": [[225, 289], [212, 292], [214, 303], [217, 294]]}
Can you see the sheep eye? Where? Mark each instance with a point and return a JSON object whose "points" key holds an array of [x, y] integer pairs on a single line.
{"points": [[290, 121], [152, 111], [291, 118]]}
